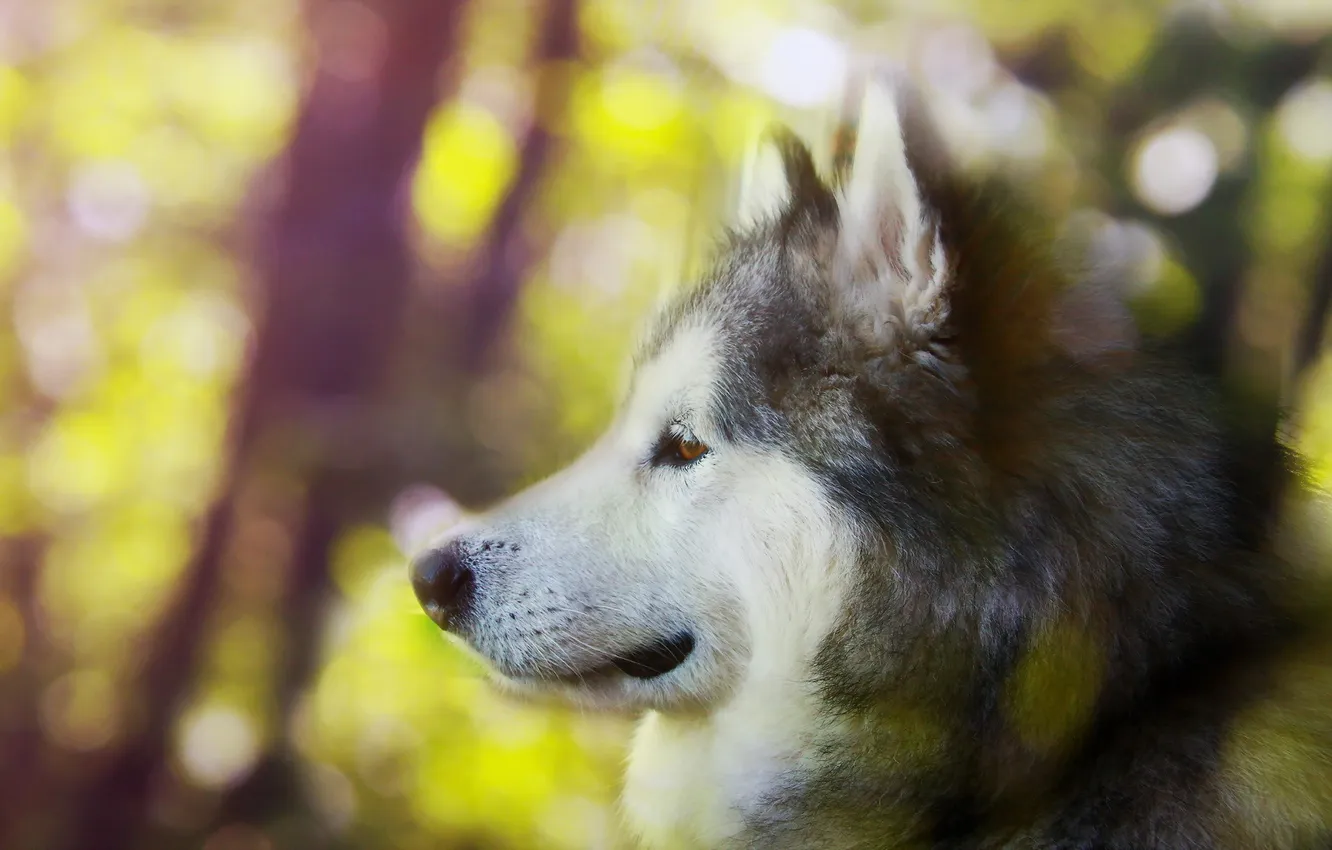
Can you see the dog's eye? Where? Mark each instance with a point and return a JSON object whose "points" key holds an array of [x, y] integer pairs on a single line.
{"points": [[690, 450], [675, 449]]}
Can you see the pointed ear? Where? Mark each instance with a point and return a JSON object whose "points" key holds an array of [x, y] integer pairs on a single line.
{"points": [[891, 268], [764, 190], [779, 176]]}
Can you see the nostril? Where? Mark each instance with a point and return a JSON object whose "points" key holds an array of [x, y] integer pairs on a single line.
{"points": [[444, 583], [461, 585]]}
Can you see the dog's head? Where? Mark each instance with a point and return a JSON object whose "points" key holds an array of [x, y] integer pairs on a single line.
{"points": [[784, 417]]}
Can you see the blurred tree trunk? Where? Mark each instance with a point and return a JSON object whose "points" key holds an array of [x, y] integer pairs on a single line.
{"points": [[335, 271], [506, 253], [21, 790], [335, 268], [504, 256]]}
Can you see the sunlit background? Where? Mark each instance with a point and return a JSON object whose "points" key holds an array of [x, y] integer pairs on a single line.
{"points": [[284, 286]]}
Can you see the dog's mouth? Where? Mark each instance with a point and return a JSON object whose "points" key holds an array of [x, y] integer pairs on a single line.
{"points": [[647, 662], [657, 658]]}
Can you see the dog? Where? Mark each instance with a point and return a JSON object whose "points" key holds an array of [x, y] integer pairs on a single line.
{"points": [[904, 538]]}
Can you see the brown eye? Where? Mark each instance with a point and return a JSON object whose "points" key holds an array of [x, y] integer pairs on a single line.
{"points": [[690, 450], [675, 449]]}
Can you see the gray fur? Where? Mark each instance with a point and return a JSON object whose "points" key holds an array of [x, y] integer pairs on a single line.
{"points": [[1028, 514]]}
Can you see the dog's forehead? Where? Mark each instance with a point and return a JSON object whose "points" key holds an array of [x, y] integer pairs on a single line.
{"points": [[676, 379], [737, 339], [756, 291]]}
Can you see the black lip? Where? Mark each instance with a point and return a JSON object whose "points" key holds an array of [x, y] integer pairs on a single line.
{"points": [[658, 658]]}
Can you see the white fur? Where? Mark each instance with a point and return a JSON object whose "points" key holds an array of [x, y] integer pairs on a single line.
{"points": [[886, 231], [692, 778], [742, 547], [608, 529], [764, 190], [744, 543]]}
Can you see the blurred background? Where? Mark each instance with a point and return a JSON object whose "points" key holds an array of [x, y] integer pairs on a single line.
{"points": [[285, 287]]}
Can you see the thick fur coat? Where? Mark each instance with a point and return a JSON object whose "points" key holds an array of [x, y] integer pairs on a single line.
{"points": [[903, 539]]}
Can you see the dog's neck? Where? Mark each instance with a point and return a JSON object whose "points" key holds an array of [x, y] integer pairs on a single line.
{"points": [[693, 781], [698, 781]]}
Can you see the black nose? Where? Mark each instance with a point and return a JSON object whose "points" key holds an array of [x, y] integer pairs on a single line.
{"points": [[444, 583]]}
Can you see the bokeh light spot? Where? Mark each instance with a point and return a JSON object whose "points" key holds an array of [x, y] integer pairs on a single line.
{"points": [[419, 514], [738, 119], [76, 463], [1304, 120], [333, 795], [251, 89], [467, 160], [115, 88], [55, 327], [1014, 122], [641, 100], [218, 745], [598, 259], [15, 98], [633, 114], [104, 583], [1226, 128], [957, 59], [1170, 302], [204, 337], [804, 67], [108, 200], [1174, 170]]}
